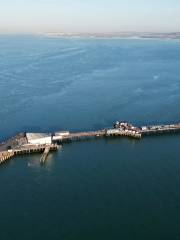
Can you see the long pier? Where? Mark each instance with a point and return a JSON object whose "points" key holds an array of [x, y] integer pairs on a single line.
{"points": [[19, 145]]}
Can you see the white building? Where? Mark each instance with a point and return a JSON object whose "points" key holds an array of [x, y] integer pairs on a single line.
{"points": [[38, 138], [62, 133], [57, 138]]}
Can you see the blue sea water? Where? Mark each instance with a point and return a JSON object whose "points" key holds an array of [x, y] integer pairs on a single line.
{"points": [[98, 189]]}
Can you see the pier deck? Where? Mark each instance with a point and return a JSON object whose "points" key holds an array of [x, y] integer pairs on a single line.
{"points": [[27, 149], [100, 133], [82, 135]]}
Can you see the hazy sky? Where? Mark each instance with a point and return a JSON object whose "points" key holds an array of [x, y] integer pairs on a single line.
{"points": [[89, 15]]}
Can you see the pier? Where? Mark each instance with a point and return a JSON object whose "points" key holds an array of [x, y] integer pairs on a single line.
{"points": [[28, 143]]}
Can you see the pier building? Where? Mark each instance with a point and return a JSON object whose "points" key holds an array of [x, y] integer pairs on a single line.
{"points": [[38, 138]]}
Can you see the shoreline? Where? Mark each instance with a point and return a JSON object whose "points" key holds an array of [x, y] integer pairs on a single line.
{"points": [[138, 36], [120, 35]]}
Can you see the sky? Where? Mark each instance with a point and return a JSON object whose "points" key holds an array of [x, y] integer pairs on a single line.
{"points": [[45, 16]]}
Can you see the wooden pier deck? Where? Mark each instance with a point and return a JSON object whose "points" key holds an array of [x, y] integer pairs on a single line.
{"points": [[98, 134], [83, 135], [27, 149]]}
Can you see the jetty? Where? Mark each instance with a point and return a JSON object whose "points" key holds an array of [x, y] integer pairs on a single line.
{"points": [[29, 143]]}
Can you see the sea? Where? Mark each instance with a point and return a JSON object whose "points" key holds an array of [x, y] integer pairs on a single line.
{"points": [[111, 188]]}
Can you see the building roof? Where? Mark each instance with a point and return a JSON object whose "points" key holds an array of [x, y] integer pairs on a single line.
{"points": [[34, 136]]}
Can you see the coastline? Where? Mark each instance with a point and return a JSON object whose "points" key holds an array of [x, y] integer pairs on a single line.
{"points": [[157, 37], [133, 36]]}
